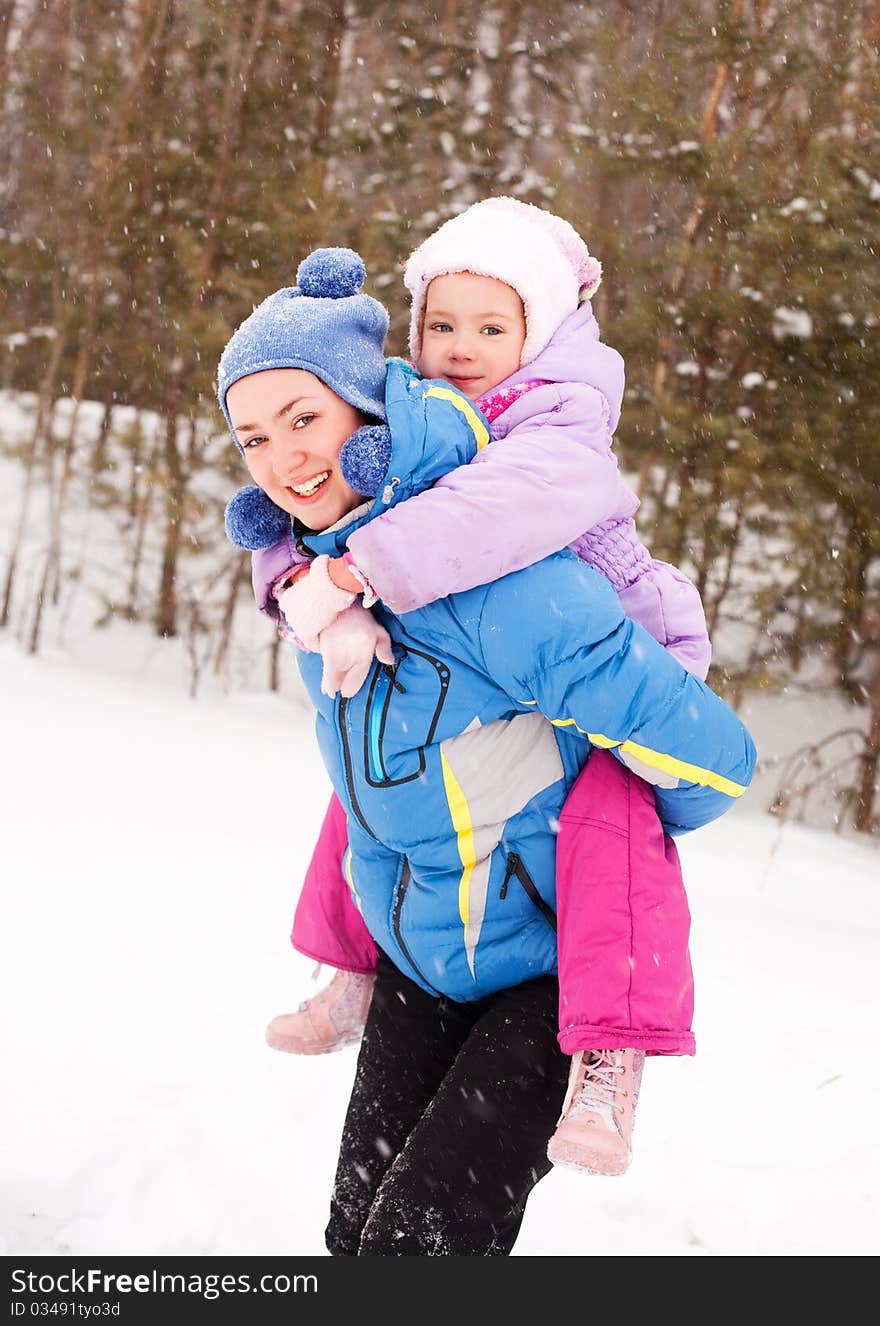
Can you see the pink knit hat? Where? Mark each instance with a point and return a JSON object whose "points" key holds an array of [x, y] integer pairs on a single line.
{"points": [[541, 256]]}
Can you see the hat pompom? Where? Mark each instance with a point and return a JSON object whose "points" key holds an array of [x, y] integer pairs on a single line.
{"points": [[331, 274], [253, 520], [364, 459]]}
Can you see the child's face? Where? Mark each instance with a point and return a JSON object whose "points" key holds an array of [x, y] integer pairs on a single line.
{"points": [[473, 333], [292, 427]]}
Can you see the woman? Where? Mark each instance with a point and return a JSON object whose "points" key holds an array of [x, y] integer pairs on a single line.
{"points": [[453, 781]]}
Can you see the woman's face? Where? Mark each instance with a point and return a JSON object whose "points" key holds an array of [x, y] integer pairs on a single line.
{"points": [[292, 427]]}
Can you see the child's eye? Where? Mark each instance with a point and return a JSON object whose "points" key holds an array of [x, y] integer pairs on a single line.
{"points": [[492, 331], [440, 327], [303, 420]]}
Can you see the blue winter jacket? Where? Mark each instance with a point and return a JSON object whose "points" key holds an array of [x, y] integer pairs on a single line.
{"points": [[451, 775]]}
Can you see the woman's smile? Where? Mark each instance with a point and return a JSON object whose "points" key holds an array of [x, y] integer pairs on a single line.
{"points": [[308, 489]]}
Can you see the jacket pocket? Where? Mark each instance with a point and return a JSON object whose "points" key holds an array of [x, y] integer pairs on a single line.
{"points": [[515, 870], [394, 709], [403, 884], [348, 766]]}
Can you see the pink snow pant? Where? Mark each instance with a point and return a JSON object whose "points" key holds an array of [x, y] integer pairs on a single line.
{"points": [[623, 921]]}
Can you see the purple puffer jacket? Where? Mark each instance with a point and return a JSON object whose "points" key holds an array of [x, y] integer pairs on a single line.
{"points": [[554, 483]]}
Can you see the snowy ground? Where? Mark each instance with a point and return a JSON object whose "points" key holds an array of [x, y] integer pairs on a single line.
{"points": [[148, 895]]}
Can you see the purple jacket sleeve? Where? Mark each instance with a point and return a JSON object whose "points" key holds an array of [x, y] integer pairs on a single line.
{"points": [[669, 607], [548, 475], [267, 566]]}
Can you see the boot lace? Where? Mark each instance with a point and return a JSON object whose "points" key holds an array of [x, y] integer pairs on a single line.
{"points": [[599, 1086]]}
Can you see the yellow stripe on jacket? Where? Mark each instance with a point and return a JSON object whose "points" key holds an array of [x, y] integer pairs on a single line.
{"points": [[464, 830], [478, 428], [346, 870], [655, 759]]}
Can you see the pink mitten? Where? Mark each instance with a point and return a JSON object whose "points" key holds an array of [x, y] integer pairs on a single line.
{"points": [[313, 602], [349, 645]]}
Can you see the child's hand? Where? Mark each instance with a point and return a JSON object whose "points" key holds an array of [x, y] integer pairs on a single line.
{"points": [[310, 605], [288, 578], [339, 573], [349, 645]]}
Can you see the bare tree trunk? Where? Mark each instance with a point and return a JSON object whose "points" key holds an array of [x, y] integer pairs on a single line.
{"points": [[714, 612], [856, 563], [50, 579], [166, 608], [39, 603], [274, 664], [99, 455], [239, 575], [870, 758], [708, 552], [46, 398], [194, 628], [134, 503], [141, 501]]}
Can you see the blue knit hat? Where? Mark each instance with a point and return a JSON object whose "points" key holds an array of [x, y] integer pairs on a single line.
{"points": [[325, 325]]}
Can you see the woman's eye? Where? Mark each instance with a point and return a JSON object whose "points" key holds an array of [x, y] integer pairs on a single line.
{"points": [[303, 420], [252, 442]]}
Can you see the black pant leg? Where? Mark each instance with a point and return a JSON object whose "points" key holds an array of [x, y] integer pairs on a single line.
{"points": [[410, 1041], [460, 1184]]}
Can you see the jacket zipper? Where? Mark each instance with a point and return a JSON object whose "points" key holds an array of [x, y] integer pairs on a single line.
{"points": [[511, 863], [516, 867], [387, 673], [349, 772], [443, 676], [405, 876]]}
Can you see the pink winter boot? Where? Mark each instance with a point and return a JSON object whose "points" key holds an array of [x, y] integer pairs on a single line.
{"points": [[329, 1020], [594, 1132]]}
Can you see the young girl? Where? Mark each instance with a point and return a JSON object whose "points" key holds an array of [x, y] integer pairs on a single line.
{"points": [[500, 310], [453, 764]]}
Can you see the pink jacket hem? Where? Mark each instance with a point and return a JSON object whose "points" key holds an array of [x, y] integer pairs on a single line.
{"points": [[331, 957], [587, 1036]]}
